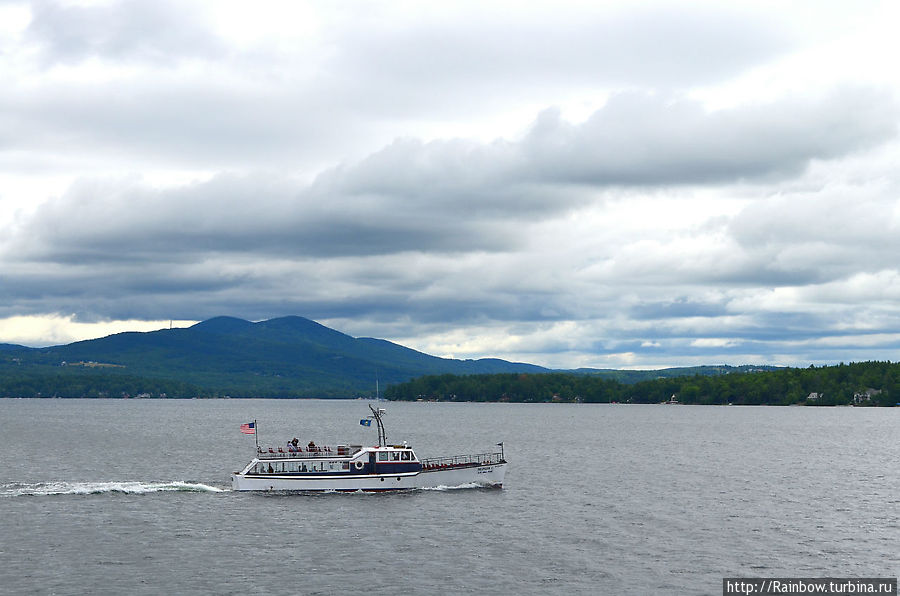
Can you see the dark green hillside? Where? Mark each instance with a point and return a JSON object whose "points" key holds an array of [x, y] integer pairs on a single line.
{"points": [[4, 347], [70, 381], [862, 384], [285, 357]]}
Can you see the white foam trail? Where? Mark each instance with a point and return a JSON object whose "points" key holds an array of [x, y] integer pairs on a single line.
{"points": [[467, 485], [96, 488]]}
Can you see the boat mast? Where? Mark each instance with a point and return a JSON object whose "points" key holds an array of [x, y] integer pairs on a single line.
{"points": [[376, 414]]}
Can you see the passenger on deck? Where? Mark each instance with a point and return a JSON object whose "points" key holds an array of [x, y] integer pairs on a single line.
{"points": [[296, 443], [271, 471], [312, 446]]}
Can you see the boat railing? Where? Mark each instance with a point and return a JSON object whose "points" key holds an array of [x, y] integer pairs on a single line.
{"points": [[309, 452], [482, 459]]}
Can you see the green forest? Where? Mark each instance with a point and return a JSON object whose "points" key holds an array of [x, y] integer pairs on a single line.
{"points": [[46, 381], [863, 384]]}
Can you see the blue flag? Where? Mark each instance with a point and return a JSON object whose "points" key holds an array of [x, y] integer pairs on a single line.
{"points": [[365, 422]]}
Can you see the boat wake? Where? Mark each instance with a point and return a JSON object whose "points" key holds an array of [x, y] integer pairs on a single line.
{"points": [[18, 489], [466, 486]]}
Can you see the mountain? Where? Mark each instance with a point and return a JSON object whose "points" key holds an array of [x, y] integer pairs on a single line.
{"points": [[7, 347], [283, 357]]}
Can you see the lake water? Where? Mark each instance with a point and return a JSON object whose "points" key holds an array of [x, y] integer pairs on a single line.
{"points": [[128, 496]]}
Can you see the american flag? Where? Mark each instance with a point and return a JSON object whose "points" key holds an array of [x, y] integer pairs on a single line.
{"points": [[249, 428]]}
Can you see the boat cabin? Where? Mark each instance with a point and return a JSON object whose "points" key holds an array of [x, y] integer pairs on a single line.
{"points": [[344, 460]]}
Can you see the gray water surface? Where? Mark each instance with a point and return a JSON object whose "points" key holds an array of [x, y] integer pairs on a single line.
{"points": [[133, 496]]}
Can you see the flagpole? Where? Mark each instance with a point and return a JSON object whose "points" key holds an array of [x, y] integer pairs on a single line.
{"points": [[256, 434]]}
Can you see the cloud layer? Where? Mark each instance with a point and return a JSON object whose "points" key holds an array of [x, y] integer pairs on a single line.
{"points": [[571, 187]]}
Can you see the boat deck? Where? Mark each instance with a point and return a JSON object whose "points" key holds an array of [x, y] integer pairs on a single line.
{"points": [[347, 451], [459, 461], [314, 452]]}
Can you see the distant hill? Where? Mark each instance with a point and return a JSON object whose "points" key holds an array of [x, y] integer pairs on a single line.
{"points": [[283, 357], [226, 356], [6, 347]]}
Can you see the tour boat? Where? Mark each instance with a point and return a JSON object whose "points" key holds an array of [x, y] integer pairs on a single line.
{"points": [[349, 467]]}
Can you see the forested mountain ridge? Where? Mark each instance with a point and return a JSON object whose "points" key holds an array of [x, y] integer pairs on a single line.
{"points": [[296, 357], [283, 357]]}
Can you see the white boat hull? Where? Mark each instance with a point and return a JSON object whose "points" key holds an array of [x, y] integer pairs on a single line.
{"points": [[485, 475]]}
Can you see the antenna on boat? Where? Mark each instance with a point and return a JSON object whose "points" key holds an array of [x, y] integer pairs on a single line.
{"points": [[377, 414]]}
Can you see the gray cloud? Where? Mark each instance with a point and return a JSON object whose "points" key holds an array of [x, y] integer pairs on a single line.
{"points": [[159, 32], [643, 139], [452, 196], [679, 308], [823, 234], [663, 46], [168, 119], [202, 103]]}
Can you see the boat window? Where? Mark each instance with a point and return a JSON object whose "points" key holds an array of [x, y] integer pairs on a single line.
{"points": [[395, 456], [382, 456], [404, 455], [345, 465]]}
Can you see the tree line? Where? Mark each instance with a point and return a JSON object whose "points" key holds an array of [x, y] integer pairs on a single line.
{"points": [[60, 382], [105, 382], [863, 383]]}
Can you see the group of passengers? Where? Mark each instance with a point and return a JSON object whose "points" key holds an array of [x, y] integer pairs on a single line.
{"points": [[271, 470], [293, 446]]}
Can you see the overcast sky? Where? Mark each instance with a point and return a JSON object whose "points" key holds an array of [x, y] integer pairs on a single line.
{"points": [[602, 184]]}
